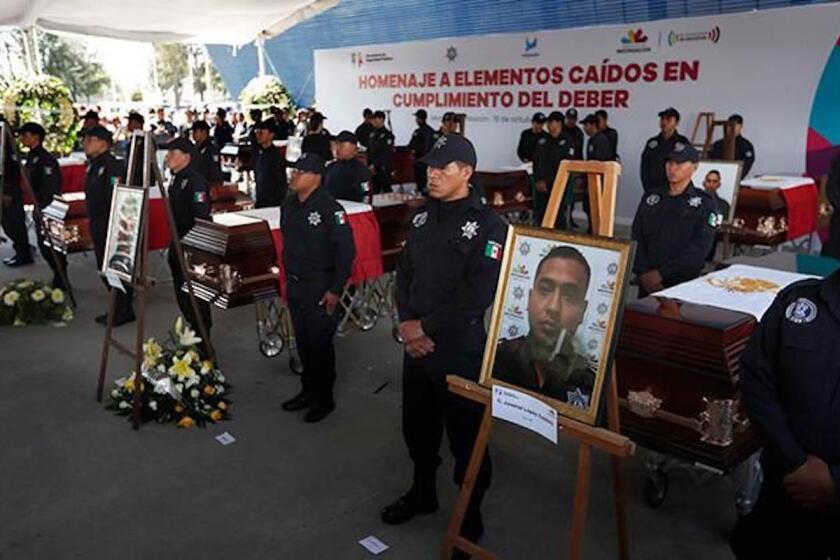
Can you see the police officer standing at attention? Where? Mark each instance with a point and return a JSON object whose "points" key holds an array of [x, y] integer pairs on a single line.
{"points": [[573, 131], [421, 142], [446, 280], [529, 138], [380, 150], [13, 214], [318, 141], [744, 150], [222, 132], [610, 133], [789, 380], [206, 161], [363, 130], [44, 176], [674, 227], [550, 150], [347, 178], [104, 171], [270, 168], [189, 198], [318, 253], [657, 149], [598, 147]]}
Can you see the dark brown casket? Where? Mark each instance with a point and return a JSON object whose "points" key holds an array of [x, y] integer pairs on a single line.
{"points": [[393, 212], [231, 260], [228, 198], [67, 224], [506, 191], [403, 160], [677, 364], [760, 218]]}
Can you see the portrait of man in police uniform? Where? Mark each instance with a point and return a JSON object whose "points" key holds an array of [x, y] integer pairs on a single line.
{"points": [[553, 323]]}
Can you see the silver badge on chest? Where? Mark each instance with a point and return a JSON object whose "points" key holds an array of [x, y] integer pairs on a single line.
{"points": [[652, 199], [420, 219], [469, 229], [314, 218], [801, 311], [694, 201]]}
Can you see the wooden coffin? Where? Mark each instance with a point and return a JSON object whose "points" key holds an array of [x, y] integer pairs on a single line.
{"points": [[760, 217], [506, 191], [228, 198], [67, 224], [403, 161], [231, 260], [393, 212], [673, 359]]}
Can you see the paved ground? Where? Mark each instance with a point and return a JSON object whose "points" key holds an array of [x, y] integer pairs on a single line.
{"points": [[77, 482]]}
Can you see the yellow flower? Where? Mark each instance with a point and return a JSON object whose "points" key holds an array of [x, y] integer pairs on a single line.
{"points": [[181, 369], [11, 298], [57, 296], [129, 383], [222, 405], [152, 352], [206, 367], [216, 415], [186, 422], [209, 390]]}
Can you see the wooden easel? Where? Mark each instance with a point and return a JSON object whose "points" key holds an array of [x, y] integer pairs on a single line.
{"points": [[602, 180], [707, 121], [6, 138], [142, 282]]}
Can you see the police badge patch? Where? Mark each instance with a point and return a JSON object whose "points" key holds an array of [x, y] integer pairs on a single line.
{"points": [[652, 199], [694, 201], [420, 219], [469, 229], [653, 144], [314, 218], [803, 310]]}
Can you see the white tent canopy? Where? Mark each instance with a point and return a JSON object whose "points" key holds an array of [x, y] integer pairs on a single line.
{"points": [[233, 22]]}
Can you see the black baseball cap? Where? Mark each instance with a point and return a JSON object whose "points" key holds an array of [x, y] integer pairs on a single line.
{"points": [[200, 125], [555, 116], [448, 116], [736, 118], [421, 113], [98, 131], [379, 114], [346, 136], [309, 162], [683, 152], [449, 148], [267, 124], [135, 116], [539, 117], [33, 128], [590, 119], [90, 115], [572, 113], [180, 143], [669, 112]]}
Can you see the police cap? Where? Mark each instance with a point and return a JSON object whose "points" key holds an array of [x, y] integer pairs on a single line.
{"points": [[346, 136], [421, 114], [34, 128], [683, 152], [539, 117], [449, 148], [180, 143], [379, 115], [98, 131], [448, 116], [590, 119], [736, 118], [267, 124], [572, 113], [556, 116], [137, 117], [669, 112], [200, 125], [309, 162]]}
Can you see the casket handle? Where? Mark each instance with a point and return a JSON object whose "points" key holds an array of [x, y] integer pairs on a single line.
{"points": [[643, 403]]}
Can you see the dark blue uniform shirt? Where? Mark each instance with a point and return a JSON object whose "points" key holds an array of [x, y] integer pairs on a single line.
{"points": [[44, 175], [189, 198], [347, 180]]}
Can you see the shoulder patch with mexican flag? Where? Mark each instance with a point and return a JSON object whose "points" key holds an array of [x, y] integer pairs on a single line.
{"points": [[493, 250], [340, 217], [200, 196]]}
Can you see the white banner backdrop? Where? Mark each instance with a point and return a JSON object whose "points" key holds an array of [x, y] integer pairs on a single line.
{"points": [[764, 65]]}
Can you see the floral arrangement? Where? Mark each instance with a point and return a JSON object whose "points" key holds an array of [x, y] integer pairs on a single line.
{"points": [[264, 91], [27, 302], [176, 384], [46, 100]]}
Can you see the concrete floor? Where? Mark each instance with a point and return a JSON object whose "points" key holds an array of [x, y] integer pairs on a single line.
{"points": [[77, 482]]}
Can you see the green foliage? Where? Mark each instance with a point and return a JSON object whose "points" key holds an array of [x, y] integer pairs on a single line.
{"points": [[264, 91], [47, 100], [137, 96], [171, 66], [67, 60]]}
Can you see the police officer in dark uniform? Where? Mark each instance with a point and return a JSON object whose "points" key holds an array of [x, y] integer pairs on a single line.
{"points": [[319, 139], [674, 227], [550, 150], [530, 136], [610, 133], [206, 161], [189, 198], [318, 253], [347, 178], [222, 132], [657, 149], [13, 215], [269, 169], [573, 131], [104, 171], [790, 384], [744, 150], [380, 150], [44, 176], [446, 280], [421, 142], [598, 146], [363, 130]]}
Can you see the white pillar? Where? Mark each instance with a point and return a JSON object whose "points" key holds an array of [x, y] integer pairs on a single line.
{"points": [[260, 43]]}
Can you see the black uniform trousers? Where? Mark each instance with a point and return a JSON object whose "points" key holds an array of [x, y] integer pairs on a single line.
{"points": [[314, 332], [421, 176], [14, 224], [429, 408], [183, 297], [381, 179], [99, 233], [777, 528]]}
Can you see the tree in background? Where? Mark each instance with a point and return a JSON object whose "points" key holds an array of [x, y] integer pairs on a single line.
{"points": [[171, 61], [199, 61], [68, 60]]}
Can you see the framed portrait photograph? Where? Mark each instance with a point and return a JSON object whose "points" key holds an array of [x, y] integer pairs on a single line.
{"points": [[720, 179], [124, 229], [556, 316]]}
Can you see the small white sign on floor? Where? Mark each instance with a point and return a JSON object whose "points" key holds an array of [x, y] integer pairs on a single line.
{"points": [[524, 410], [373, 545], [114, 280], [225, 438]]}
